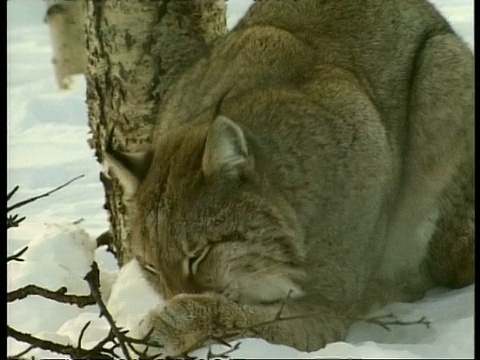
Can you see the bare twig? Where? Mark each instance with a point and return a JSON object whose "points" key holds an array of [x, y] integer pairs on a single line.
{"points": [[27, 201], [58, 295], [59, 348], [390, 319], [225, 354], [14, 220], [93, 280], [82, 333], [124, 341], [16, 256], [10, 194], [221, 341], [116, 337], [78, 221], [383, 320], [20, 354], [282, 305], [387, 320]]}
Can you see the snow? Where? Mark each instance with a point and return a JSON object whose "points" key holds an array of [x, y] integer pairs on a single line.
{"points": [[62, 255], [47, 133]]}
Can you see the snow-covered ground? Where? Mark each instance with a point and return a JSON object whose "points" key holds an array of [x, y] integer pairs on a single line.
{"points": [[47, 132]]}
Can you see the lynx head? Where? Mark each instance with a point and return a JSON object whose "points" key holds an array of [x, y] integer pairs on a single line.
{"points": [[205, 217]]}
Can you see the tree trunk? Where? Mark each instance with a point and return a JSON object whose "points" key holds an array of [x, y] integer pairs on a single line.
{"points": [[135, 50], [66, 22]]}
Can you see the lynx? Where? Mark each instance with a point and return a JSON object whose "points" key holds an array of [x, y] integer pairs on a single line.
{"points": [[317, 161]]}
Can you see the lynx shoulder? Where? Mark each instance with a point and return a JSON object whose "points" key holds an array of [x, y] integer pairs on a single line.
{"points": [[320, 159]]}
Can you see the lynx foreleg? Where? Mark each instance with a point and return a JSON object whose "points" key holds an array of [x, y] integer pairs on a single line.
{"points": [[189, 320]]}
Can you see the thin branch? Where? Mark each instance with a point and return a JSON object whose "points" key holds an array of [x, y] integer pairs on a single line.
{"points": [[282, 305], [27, 201], [14, 220], [388, 320], [93, 280], [116, 336], [16, 256], [225, 354], [391, 319], [241, 330], [58, 295], [20, 354], [145, 341], [49, 345], [221, 341], [375, 320], [10, 194], [78, 221], [82, 333], [100, 350], [124, 341]]}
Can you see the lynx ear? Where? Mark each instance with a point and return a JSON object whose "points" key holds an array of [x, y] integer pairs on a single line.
{"points": [[226, 149], [129, 168]]}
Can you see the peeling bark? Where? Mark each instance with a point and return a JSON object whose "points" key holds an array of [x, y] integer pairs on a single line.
{"points": [[135, 50]]}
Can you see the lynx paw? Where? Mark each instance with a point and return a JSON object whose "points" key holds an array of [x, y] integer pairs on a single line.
{"points": [[182, 324]]}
